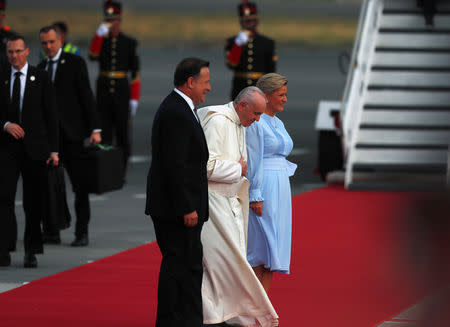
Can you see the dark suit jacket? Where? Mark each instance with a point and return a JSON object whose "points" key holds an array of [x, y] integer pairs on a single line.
{"points": [[39, 114], [177, 183], [74, 97]]}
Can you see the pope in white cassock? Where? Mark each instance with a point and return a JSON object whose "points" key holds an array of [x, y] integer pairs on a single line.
{"points": [[231, 292]]}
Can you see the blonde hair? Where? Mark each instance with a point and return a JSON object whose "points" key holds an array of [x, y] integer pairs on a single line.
{"points": [[271, 82]]}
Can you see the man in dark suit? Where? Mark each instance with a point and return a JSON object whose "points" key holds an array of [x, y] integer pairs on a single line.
{"points": [[177, 195], [28, 140], [78, 120]]}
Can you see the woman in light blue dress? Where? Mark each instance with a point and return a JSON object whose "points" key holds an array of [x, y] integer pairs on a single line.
{"points": [[270, 218]]}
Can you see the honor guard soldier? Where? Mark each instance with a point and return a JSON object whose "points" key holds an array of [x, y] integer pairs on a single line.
{"points": [[117, 99], [249, 54], [5, 33]]}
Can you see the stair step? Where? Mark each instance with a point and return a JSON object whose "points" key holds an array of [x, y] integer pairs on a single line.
{"points": [[378, 136], [411, 4], [415, 59], [414, 118], [406, 107], [423, 70], [415, 21], [427, 146], [400, 157], [390, 87], [414, 30], [406, 98], [411, 41]]}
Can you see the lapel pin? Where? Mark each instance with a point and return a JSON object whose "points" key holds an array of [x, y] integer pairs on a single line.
{"points": [[32, 78]]}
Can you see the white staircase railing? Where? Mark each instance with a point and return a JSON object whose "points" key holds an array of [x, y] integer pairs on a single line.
{"points": [[355, 88]]}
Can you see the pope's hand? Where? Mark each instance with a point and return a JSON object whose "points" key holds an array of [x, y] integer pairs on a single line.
{"points": [[243, 166]]}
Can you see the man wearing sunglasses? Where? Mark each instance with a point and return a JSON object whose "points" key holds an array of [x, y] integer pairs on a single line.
{"points": [[249, 54]]}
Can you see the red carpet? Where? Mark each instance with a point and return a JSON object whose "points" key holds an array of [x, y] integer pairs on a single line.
{"points": [[348, 269]]}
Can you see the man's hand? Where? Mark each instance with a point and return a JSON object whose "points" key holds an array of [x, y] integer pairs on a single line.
{"points": [[242, 38], [15, 130], [95, 138], [244, 166], [133, 107], [103, 30], [190, 219], [256, 207], [54, 159]]}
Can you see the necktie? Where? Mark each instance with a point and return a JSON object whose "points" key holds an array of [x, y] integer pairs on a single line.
{"points": [[15, 100], [50, 68]]}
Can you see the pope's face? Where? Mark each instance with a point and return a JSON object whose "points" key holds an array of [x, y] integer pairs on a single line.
{"points": [[250, 112], [200, 86]]}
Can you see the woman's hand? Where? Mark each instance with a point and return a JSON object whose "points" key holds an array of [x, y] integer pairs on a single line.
{"points": [[257, 207]]}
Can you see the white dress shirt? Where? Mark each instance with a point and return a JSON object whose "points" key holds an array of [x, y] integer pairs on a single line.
{"points": [[188, 100]]}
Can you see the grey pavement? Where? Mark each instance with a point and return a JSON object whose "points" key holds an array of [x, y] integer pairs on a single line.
{"points": [[118, 220]]}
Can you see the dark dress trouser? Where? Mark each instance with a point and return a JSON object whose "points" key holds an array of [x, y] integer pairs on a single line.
{"points": [[71, 153], [114, 114], [16, 161], [181, 273]]}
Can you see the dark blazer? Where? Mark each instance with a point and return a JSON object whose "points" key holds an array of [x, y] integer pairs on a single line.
{"points": [[39, 114], [74, 97], [177, 183]]}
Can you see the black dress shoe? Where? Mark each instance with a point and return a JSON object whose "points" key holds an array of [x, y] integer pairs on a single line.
{"points": [[30, 261], [5, 260], [51, 238], [80, 241]]}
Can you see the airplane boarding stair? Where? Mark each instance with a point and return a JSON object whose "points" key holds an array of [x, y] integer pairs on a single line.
{"points": [[396, 105]]}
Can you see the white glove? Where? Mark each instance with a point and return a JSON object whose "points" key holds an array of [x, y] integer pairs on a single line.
{"points": [[133, 107], [103, 30], [241, 38]]}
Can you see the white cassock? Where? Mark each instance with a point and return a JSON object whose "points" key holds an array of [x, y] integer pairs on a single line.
{"points": [[231, 291]]}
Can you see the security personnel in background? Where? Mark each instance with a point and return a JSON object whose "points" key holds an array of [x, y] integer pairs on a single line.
{"points": [[78, 120], [67, 47], [117, 98], [249, 54], [5, 33]]}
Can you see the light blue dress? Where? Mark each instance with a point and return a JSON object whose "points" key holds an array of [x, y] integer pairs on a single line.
{"points": [[269, 236]]}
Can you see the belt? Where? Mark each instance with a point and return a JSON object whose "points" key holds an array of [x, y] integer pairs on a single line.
{"points": [[252, 75], [279, 163], [112, 74]]}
